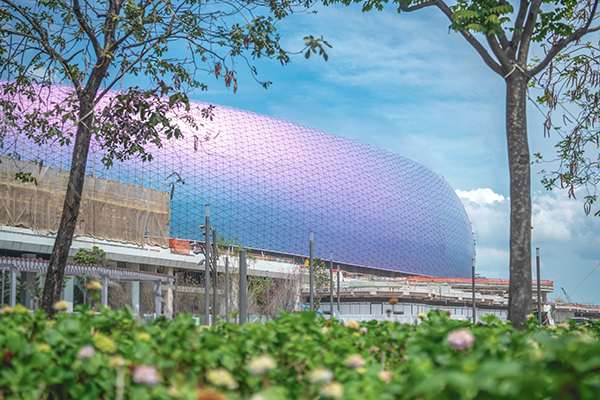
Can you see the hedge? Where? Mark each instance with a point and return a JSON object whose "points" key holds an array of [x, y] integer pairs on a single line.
{"points": [[115, 355]]}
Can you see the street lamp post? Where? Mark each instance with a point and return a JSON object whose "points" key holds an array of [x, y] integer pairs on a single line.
{"points": [[310, 271], [339, 307], [539, 289], [243, 287], [227, 287], [474, 306], [216, 275], [207, 267], [331, 284]]}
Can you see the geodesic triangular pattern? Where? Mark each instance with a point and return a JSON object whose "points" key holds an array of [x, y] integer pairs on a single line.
{"points": [[269, 182]]}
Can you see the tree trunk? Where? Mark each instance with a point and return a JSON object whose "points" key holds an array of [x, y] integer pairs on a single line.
{"points": [[68, 222], [519, 300]]}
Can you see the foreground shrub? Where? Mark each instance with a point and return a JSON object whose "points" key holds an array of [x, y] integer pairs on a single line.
{"points": [[115, 355]]}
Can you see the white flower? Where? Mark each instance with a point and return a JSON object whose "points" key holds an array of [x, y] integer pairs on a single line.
{"points": [[352, 324], [355, 361], [385, 376], [145, 374], [116, 362], [86, 352], [460, 339], [335, 390], [364, 329], [320, 375], [94, 285], [261, 365], [61, 305], [324, 329], [258, 396], [222, 377]]}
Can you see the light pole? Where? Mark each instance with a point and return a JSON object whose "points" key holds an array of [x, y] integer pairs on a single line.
{"points": [[227, 286], [539, 289], [339, 307], [268, 294], [216, 275], [474, 306], [207, 267], [3, 273], [331, 284], [243, 287], [310, 270]]}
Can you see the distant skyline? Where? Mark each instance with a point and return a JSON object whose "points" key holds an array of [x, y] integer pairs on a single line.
{"points": [[407, 84]]}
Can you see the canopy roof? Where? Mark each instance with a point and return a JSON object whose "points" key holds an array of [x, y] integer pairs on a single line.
{"points": [[97, 271]]}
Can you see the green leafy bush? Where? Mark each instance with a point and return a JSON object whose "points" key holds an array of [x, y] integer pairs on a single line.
{"points": [[115, 355]]}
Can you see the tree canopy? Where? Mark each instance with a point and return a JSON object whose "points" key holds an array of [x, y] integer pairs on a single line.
{"points": [[93, 47]]}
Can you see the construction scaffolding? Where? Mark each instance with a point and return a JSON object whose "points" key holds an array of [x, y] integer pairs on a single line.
{"points": [[110, 209]]}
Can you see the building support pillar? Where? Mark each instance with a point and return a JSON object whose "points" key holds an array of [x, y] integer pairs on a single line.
{"points": [[168, 289], [134, 290]]}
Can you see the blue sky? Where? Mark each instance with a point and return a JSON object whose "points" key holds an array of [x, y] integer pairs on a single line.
{"points": [[407, 84]]}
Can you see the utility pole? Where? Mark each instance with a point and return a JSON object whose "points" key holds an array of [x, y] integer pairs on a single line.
{"points": [[243, 287], [331, 284], [268, 294], [339, 308], [215, 274], [207, 267], [175, 295], [474, 306], [310, 270], [3, 273], [539, 289], [227, 287]]}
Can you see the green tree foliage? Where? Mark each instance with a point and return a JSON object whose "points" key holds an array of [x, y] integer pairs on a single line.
{"points": [[321, 277], [571, 95], [502, 32], [93, 47], [95, 256]]}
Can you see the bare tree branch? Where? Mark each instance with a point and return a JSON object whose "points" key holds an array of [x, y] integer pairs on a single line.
{"points": [[406, 7], [518, 32], [86, 28], [532, 15]]}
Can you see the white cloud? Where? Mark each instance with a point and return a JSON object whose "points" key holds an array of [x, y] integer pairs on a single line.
{"points": [[568, 240], [480, 196]]}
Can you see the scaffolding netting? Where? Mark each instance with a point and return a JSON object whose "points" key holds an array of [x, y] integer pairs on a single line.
{"points": [[110, 209]]}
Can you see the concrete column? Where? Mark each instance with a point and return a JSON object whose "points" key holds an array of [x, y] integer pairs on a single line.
{"points": [[27, 283], [134, 290], [27, 289], [104, 298], [68, 293], [13, 286], [168, 295], [158, 300]]}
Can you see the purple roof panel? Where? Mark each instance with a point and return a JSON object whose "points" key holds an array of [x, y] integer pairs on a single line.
{"points": [[269, 182]]}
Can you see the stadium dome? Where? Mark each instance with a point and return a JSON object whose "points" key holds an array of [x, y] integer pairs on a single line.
{"points": [[269, 182]]}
